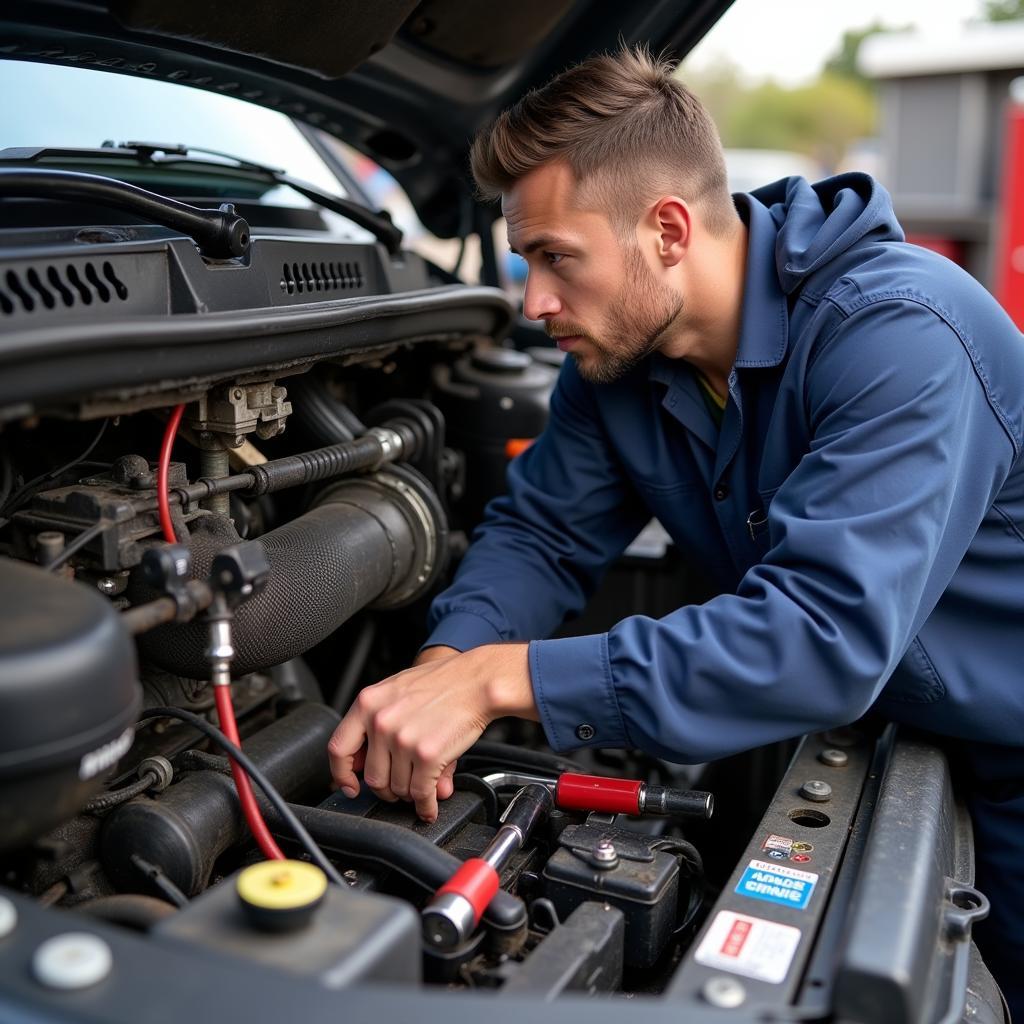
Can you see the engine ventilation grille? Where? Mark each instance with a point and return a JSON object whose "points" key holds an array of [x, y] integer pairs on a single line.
{"points": [[56, 286], [334, 276]]}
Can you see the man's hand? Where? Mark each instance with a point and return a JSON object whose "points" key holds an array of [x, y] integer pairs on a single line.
{"points": [[416, 723]]}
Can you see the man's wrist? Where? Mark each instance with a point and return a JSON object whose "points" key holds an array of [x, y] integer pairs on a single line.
{"points": [[509, 690], [435, 653]]}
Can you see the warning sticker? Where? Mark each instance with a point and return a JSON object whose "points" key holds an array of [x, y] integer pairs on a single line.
{"points": [[749, 946], [775, 883], [778, 843]]}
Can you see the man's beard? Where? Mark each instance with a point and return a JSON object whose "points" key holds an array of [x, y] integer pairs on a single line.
{"points": [[633, 328]]}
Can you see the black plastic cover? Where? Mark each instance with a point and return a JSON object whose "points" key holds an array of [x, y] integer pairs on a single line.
{"points": [[643, 884], [70, 696]]}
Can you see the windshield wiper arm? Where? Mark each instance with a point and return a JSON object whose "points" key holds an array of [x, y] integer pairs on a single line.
{"points": [[378, 222], [219, 233]]}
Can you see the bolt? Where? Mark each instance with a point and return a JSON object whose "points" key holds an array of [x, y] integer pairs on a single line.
{"points": [[75, 960], [605, 855], [106, 585], [814, 789], [725, 993], [834, 758], [49, 544]]}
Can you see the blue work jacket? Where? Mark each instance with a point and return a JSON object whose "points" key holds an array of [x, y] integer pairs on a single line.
{"points": [[860, 509]]}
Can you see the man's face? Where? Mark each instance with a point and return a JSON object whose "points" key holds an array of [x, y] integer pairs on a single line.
{"points": [[596, 295]]}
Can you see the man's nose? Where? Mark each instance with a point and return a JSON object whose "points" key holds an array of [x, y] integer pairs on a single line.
{"points": [[539, 302]]}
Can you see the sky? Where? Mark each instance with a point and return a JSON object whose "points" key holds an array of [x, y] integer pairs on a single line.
{"points": [[789, 40]]}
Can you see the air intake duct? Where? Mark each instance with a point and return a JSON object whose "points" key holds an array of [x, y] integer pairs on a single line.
{"points": [[375, 540]]}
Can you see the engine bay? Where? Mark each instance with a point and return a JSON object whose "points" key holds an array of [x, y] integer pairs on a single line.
{"points": [[229, 486]]}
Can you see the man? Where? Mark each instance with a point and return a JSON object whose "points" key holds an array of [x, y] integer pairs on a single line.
{"points": [[828, 421]]}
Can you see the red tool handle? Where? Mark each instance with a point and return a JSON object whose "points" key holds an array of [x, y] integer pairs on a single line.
{"points": [[475, 881], [596, 793]]}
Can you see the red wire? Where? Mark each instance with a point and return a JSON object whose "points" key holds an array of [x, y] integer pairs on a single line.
{"points": [[162, 471], [221, 694], [251, 810]]}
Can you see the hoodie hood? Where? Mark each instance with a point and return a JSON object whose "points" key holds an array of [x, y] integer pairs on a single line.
{"points": [[818, 223]]}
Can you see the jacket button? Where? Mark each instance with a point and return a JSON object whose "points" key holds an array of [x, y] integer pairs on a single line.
{"points": [[584, 732], [721, 492]]}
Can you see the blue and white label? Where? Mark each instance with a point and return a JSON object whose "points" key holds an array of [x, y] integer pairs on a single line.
{"points": [[774, 883]]}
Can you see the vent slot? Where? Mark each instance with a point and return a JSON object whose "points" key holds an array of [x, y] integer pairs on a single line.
{"points": [[333, 276], [56, 286]]}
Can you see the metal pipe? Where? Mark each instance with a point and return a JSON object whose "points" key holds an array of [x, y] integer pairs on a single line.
{"points": [[143, 617], [215, 465]]}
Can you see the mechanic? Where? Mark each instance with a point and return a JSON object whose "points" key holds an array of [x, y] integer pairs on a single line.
{"points": [[827, 420]]}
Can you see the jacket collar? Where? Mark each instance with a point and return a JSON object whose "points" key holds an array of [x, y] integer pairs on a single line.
{"points": [[764, 326]]}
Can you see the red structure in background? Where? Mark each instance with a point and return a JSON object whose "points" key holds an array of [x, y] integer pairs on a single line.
{"points": [[1009, 262]]}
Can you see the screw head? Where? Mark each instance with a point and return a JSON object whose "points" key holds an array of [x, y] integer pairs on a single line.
{"points": [[834, 758], [725, 993], [604, 854], [74, 960], [816, 790], [106, 585]]}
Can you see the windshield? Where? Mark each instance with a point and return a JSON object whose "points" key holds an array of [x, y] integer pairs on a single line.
{"points": [[48, 105]]}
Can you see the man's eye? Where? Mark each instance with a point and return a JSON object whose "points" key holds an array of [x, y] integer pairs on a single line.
{"points": [[554, 258]]}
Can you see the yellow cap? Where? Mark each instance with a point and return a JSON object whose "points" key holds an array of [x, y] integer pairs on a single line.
{"points": [[281, 884]]}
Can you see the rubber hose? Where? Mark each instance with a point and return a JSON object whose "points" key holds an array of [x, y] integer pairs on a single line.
{"points": [[184, 829], [327, 420], [358, 547], [116, 797], [400, 849]]}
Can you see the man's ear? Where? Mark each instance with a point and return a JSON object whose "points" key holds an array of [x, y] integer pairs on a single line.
{"points": [[672, 222]]}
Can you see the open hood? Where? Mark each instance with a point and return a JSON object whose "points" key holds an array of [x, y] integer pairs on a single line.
{"points": [[408, 83]]}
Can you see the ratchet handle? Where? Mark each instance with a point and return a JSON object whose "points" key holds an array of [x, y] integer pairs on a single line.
{"points": [[596, 793], [476, 882], [575, 792]]}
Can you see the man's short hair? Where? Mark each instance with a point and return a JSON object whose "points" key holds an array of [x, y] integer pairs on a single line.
{"points": [[629, 130]]}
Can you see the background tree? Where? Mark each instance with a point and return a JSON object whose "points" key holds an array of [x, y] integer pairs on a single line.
{"points": [[821, 119], [1004, 10]]}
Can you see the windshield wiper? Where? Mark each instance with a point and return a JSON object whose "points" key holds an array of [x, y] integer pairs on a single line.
{"points": [[161, 154], [219, 233]]}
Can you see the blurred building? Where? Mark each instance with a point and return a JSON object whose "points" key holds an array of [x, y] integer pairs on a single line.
{"points": [[952, 132]]}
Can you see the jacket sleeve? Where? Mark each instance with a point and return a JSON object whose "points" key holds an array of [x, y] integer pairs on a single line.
{"points": [[541, 548], [866, 532]]}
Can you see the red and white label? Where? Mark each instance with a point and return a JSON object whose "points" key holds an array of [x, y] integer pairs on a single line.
{"points": [[749, 946], [737, 935]]}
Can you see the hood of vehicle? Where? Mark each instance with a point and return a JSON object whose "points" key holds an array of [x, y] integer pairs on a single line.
{"points": [[408, 83]]}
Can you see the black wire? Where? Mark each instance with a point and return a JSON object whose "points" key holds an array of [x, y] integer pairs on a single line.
{"points": [[115, 797], [159, 878], [25, 488], [79, 542], [275, 798], [691, 858]]}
